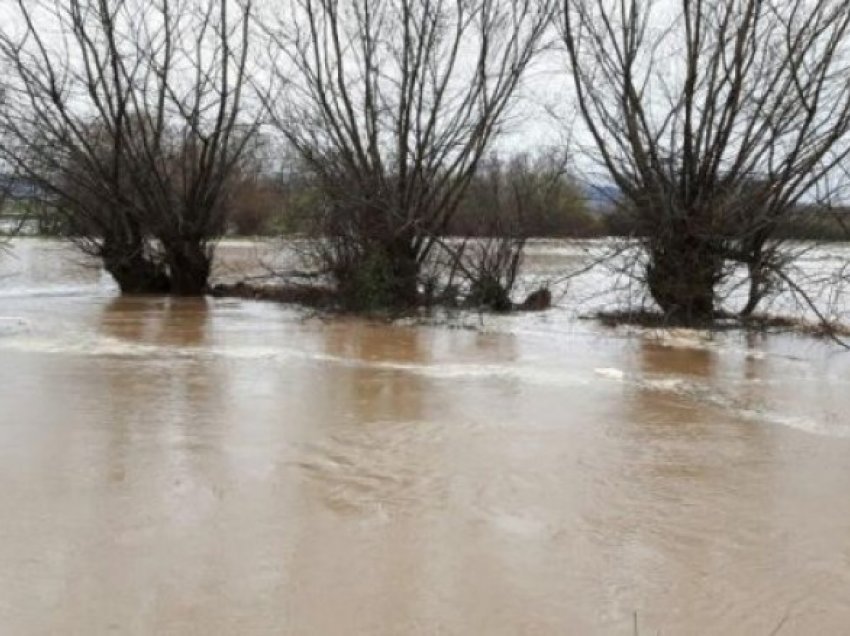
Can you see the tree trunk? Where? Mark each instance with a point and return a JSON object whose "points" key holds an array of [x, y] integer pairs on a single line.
{"points": [[682, 275], [404, 267], [757, 288], [189, 268], [136, 274], [386, 275]]}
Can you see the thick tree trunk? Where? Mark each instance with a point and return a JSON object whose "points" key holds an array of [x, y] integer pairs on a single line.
{"points": [[189, 268], [387, 275], [682, 275], [136, 274], [404, 278]]}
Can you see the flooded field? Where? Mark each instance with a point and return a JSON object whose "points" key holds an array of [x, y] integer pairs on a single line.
{"points": [[230, 467]]}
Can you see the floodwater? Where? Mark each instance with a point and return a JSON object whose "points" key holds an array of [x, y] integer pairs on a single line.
{"points": [[231, 467]]}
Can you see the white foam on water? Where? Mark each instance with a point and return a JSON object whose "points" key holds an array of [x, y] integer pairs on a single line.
{"points": [[108, 346], [682, 338], [710, 395], [20, 339], [674, 385], [513, 372], [799, 423], [54, 291], [611, 373], [671, 384], [93, 347]]}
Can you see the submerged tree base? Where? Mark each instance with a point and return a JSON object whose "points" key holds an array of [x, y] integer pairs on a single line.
{"points": [[726, 322], [138, 275], [328, 299], [307, 295]]}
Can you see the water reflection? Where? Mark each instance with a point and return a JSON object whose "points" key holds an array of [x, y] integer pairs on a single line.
{"points": [[379, 384], [157, 320], [664, 360]]}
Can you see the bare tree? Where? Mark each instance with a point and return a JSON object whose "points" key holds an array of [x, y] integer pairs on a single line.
{"points": [[509, 201], [715, 119], [129, 116], [5, 187], [392, 104], [4, 227]]}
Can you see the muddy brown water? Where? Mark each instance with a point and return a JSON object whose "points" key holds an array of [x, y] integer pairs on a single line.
{"points": [[229, 467]]}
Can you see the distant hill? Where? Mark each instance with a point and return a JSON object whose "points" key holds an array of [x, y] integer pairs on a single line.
{"points": [[18, 188], [601, 196]]}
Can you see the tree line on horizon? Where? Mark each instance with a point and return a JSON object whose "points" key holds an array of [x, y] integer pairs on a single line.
{"points": [[553, 202], [152, 129]]}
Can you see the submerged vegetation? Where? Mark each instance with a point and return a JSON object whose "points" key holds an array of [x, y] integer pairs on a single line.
{"points": [[147, 133]]}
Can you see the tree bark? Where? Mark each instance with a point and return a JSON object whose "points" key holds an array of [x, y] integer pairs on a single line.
{"points": [[189, 267], [682, 275], [136, 274], [757, 288]]}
